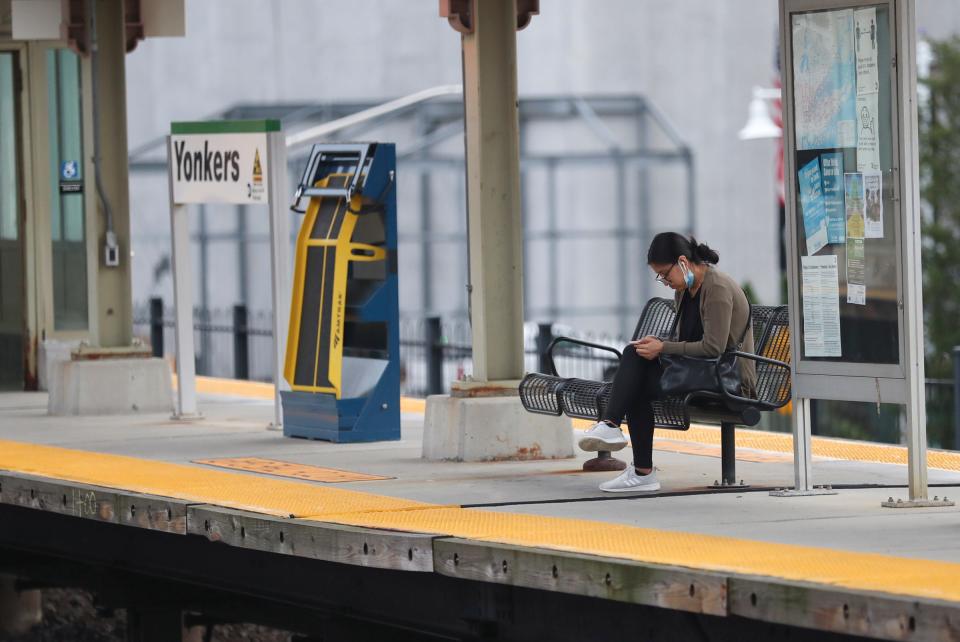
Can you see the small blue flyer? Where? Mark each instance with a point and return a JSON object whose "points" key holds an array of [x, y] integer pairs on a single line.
{"points": [[832, 170], [811, 201]]}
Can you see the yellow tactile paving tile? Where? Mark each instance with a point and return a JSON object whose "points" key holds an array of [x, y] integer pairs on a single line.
{"points": [[842, 569], [289, 469], [855, 571], [233, 387], [260, 390], [193, 483], [746, 438], [711, 450], [822, 446]]}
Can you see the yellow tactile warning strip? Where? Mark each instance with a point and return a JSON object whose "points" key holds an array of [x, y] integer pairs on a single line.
{"points": [[854, 571], [709, 450], [746, 438], [277, 497], [233, 387], [289, 469], [260, 390], [822, 446]]}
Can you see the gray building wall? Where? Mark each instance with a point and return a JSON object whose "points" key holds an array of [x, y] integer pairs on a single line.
{"points": [[696, 60]]}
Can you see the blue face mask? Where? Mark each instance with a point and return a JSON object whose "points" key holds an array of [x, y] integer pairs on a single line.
{"points": [[687, 276]]}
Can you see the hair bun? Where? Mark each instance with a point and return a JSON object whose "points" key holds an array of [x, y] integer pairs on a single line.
{"points": [[703, 252]]}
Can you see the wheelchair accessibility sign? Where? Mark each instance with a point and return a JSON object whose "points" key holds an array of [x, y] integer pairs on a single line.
{"points": [[70, 182], [70, 170]]}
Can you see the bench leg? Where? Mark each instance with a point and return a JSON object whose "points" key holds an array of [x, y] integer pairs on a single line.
{"points": [[603, 462], [728, 453], [728, 458]]}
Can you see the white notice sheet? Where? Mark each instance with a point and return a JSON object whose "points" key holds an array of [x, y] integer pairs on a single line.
{"points": [[873, 205], [821, 306], [865, 46]]}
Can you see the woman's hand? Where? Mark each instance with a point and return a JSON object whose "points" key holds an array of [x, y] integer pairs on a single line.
{"points": [[648, 347]]}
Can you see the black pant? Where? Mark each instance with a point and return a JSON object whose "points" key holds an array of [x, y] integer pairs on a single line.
{"points": [[635, 386]]}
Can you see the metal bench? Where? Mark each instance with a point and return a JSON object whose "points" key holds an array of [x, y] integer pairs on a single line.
{"points": [[551, 394]]}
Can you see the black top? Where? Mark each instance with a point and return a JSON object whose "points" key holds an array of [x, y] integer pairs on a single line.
{"points": [[691, 325]]}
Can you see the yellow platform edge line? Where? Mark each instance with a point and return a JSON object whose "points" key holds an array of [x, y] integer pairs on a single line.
{"points": [[850, 570], [261, 390]]}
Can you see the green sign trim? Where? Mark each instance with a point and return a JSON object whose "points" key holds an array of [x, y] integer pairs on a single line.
{"points": [[226, 127]]}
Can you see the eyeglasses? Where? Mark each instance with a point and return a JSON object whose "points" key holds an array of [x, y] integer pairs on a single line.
{"points": [[662, 276]]}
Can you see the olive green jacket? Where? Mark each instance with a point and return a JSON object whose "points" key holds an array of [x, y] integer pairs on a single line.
{"points": [[725, 312]]}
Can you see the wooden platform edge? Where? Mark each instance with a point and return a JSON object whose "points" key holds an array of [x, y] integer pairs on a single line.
{"points": [[580, 574], [325, 541], [867, 614], [109, 505]]}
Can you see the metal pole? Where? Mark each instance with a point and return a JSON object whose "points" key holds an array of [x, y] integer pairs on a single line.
{"points": [[552, 249], [623, 253], [956, 397], [728, 454], [156, 326], [643, 195], [434, 349], [277, 196], [544, 337], [908, 183], [691, 190], [802, 466], [182, 303], [241, 353], [427, 246], [243, 269], [206, 349]]}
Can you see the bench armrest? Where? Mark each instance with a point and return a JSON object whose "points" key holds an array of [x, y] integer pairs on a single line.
{"points": [[746, 400], [579, 342]]}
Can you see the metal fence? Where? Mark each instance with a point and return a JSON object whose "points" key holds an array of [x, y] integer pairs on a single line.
{"points": [[435, 352]]}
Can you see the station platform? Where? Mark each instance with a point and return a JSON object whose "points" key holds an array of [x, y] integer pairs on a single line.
{"points": [[833, 563]]}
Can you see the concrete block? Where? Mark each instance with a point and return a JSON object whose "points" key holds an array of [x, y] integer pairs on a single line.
{"points": [[109, 387], [52, 353], [490, 429]]}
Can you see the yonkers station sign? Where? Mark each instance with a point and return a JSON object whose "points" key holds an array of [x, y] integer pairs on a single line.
{"points": [[219, 167]]}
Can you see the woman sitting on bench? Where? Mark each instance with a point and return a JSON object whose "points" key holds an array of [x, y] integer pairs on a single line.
{"points": [[713, 310]]}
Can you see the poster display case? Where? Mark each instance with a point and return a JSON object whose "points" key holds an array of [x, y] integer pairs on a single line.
{"points": [[851, 174]]}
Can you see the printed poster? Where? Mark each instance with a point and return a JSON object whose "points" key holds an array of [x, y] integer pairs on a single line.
{"points": [[854, 203], [865, 39], [825, 79], [868, 149], [873, 205], [832, 173], [820, 288], [811, 202], [856, 273]]}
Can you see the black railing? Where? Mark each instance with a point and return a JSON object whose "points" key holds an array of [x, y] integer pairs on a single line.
{"points": [[433, 352], [228, 343]]}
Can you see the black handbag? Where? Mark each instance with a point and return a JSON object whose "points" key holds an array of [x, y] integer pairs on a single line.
{"points": [[683, 374]]}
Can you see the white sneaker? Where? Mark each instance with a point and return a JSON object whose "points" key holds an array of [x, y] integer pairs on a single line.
{"points": [[630, 481], [602, 436]]}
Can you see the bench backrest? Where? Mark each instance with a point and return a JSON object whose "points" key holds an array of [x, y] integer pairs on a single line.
{"points": [[771, 339]]}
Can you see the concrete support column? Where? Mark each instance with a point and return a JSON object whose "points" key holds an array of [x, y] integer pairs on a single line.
{"points": [[483, 418], [19, 610], [114, 300], [493, 191]]}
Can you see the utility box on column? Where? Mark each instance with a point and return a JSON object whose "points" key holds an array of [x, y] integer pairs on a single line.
{"points": [[343, 351]]}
